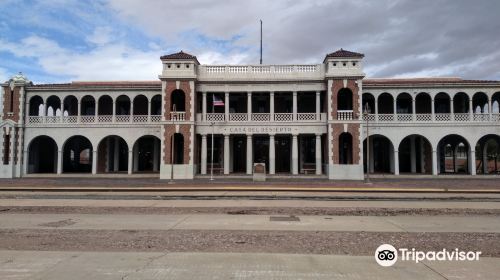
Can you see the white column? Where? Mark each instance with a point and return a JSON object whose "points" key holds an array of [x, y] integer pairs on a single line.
{"points": [[26, 162], [433, 111], [471, 111], [413, 155], [452, 110], [295, 154], [472, 161], [249, 106], [271, 105], [226, 153], [272, 155], [249, 154], [376, 111], [114, 112], [62, 110], [116, 154], [372, 156], [422, 157], [135, 165], [318, 108], [130, 161], [96, 113], [94, 162], [132, 110], [203, 154], [413, 109], [79, 116], [489, 109], [395, 108], [156, 158], [204, 107], [149, 110], [396, 162], [226, 106], [318, 154], [59, 161], [294, 106], [434, 163]]}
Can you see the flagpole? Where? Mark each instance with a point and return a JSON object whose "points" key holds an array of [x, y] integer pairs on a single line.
{"points": [[212, 153]]}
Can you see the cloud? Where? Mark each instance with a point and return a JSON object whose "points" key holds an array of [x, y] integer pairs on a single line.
{"points": [[3, 75], [397, 36], [113, 61]]}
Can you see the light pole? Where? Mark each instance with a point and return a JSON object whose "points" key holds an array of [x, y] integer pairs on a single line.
{"points": [[172, 117], [366, 114], [212, 144]]}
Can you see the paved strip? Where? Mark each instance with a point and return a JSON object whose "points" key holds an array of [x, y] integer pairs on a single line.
{"points": [[118, 265], [423, 204], [252, 222]]}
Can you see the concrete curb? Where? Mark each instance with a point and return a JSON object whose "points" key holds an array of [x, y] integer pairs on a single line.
{"points": [[250, 189]]}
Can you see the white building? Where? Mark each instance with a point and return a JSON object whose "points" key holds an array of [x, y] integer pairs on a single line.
{"points": [[297, 119]]}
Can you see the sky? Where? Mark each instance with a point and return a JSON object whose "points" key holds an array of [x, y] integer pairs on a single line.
{"points": [[53, 41]]}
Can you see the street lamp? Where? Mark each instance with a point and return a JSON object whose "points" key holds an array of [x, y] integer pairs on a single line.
{"points": [[366, 114], [172, 118]]}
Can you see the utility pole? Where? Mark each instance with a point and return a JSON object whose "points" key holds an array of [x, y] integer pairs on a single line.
{"points": [[261, 42], [366, 113]]}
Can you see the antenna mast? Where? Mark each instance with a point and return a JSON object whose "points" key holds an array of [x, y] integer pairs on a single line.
{"points": [[260, 41]]}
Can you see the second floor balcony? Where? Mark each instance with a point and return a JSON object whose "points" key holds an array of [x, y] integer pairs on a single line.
{"points": [[261, 117]]}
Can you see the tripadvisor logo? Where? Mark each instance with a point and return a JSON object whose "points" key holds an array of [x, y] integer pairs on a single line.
{"points": [[387, 255]]}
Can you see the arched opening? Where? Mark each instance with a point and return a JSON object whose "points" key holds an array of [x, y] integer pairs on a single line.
{"points": [[453, 155], [36, 103], [415, 155], [495, 104], [53, 106], [442, 103], [141, 105], [77, 155], [461, 103], [178, 101], [112, 155], [345, 148], [404, 103], [488, 154], [385, 103], [480, 103], [146, 154], [344, 100], [156, 105], [423, 103], [367, 98], [42, 155], [105, 106], [122, 104], [88, 106], [381, 154], [70, 106], [178, 148]]}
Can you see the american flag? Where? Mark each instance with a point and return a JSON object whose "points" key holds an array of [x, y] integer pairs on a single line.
{"points": [[218, 101]]}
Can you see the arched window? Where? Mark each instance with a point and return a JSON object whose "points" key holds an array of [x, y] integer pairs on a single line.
{"points": [[178, 101], [344, 99]]}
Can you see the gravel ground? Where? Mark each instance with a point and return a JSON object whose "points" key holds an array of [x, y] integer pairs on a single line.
{"points": [[304, 211], [343, 243]]}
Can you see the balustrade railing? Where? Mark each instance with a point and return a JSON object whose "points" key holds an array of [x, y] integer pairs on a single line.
{"points": [[105, 118], [442, 117], [155, 118], [261, 117], [345, 115], [385, 117], [423, 117], [238, 117], [306, 116], [405, 117], [216, 117], [122, 118], [178, 116], [461, 117], [283, 117], [87, 119]]}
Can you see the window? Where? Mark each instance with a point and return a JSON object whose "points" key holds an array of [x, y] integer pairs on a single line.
{"points": [[6, 148], [11, 108]]}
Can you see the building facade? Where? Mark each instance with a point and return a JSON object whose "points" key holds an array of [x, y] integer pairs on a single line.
{"points": [[296, 119]]}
